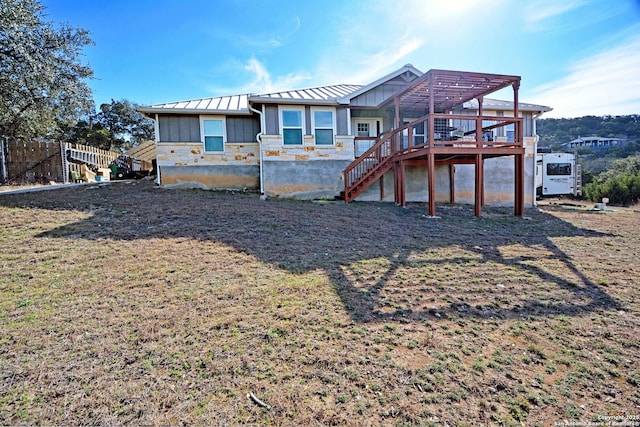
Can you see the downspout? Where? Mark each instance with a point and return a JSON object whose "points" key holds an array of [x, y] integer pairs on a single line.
{"points": [[535, 169], [259, 140], [157, 139]]}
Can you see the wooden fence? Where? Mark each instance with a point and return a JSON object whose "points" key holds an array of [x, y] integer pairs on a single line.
{"points": [[78, 154], [41, 162]]}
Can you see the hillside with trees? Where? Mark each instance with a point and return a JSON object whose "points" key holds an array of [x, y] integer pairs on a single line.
{"points": [[612, 173], [554, 132]]}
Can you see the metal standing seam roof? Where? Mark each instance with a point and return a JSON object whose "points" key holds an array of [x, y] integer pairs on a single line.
{"points": [[451, 89], [321, 95], [239, 104], [499, 104], [235, 104]]}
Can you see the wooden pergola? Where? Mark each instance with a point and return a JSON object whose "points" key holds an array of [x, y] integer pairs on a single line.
{"points": [[448, 138]]}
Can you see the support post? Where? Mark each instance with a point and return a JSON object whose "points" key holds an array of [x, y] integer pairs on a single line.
{"points": [[479, 185], [519, 185], [3, 167], [382, 188], [431, 184], [396, 184], [479, 135], [403, 189], [431, 131], [65, 163], [516, 114], [452, 184]]}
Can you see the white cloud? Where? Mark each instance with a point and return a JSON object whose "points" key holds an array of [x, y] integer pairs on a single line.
{"points": [[537, 14], [381, 36], [604, 84], [263, 82], [259, 78]]}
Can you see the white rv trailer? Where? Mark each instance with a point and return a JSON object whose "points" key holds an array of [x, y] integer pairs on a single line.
{"points": [[558, 174]]}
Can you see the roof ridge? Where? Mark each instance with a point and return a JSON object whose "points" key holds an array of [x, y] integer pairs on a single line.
{"points": [[305, 88]]}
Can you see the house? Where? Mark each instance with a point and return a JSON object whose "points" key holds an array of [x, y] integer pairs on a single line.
{"points": [[403, 137], [593, 142]]}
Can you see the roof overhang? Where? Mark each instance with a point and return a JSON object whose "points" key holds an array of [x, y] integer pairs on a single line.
{"points": [[499, 104], [291, 101], [446, 89], [224, 105]]}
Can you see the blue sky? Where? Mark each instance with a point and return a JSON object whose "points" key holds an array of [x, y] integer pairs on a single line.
{"points": [[579, 57]]}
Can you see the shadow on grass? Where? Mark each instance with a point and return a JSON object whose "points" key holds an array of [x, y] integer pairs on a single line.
{"points": [[384, 261]]}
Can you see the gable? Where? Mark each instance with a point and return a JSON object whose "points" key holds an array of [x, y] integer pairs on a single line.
{"points": [[382, 92]]}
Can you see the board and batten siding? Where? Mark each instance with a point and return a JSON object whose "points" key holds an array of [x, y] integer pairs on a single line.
{"points": [[179, 128], [271, 120], [380, 93], [187, 129], [242, 129], [342, 121]]}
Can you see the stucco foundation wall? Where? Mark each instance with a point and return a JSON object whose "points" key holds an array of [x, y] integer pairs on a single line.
{"points": [[416, 186], [215, 177], [308, 179], [499, 181], [187, 165]]}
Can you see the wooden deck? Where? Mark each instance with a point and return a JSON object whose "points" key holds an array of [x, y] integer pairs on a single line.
{"points": [[441, 137]]}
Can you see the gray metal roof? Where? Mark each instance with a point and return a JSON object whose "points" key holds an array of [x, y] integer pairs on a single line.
{"points": [[314, 95], [499, 104], [239, 104], [322, 95], [235, 104]]}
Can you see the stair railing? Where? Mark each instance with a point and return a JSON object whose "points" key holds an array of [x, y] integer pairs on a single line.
{"points": [[375, 160]]}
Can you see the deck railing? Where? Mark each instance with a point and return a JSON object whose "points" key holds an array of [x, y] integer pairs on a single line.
{"points": [[449, 130]]}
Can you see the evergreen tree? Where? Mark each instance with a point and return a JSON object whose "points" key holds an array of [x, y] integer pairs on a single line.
{"points": [[42, 79]]}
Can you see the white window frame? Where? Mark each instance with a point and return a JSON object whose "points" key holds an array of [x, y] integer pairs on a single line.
{"points": [[333, 125], [283, 108], [405, 137], [224, 133]]}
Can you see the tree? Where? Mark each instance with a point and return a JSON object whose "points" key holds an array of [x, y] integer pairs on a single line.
{"points": [[117, 125], [620, 184], [125, 124], [42, 80]]}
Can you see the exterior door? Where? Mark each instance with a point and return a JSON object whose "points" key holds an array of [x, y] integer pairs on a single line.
{"points": [[418, 134], [365, 131]]}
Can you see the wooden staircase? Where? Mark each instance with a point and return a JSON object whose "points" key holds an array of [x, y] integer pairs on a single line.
{"points": [[370, 166], [380, 158]]}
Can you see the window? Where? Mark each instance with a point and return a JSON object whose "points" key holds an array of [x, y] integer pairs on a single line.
{"points": [[292, 126], [363, 129], [213, 134], [511, 132], [323, 125], [558, 168], [417, 132]]}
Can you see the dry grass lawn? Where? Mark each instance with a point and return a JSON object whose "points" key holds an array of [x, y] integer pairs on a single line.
{"points": [[127, 304]]}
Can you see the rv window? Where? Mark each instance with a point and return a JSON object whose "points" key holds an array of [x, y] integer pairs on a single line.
{"points": [[558, 168]]}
